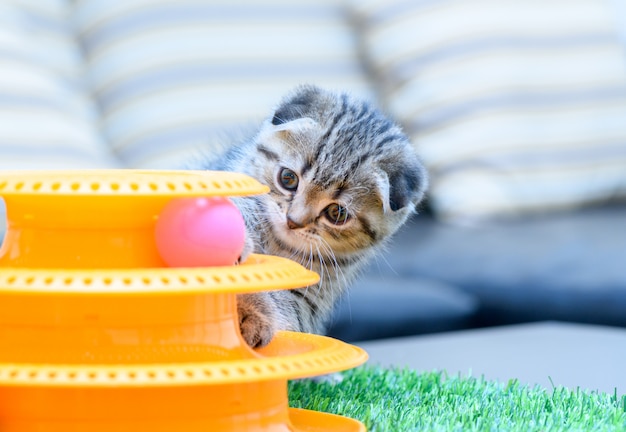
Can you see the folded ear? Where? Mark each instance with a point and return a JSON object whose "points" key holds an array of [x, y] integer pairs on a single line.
{"points": [[405, 188], [299, 104], [404, 185]]}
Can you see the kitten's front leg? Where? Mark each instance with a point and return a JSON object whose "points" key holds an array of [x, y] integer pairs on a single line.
{"points": [[257, 319]]}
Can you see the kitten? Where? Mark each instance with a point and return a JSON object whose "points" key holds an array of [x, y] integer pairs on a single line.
{"points": [[343, 178]]}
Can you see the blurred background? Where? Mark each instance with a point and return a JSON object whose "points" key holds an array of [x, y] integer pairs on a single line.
{"points": [[517, 107]]}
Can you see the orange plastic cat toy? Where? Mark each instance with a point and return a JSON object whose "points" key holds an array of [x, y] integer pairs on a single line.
{"points": [[98, 334]]}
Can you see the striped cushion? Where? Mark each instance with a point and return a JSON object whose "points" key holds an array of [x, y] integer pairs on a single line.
{"points": [[171, 76], [515, 105], [46, 118]]}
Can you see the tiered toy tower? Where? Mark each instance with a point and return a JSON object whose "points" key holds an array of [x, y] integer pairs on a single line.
{"points": [[96, 334]]}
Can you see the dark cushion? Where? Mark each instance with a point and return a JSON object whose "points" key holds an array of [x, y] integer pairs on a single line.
{"points": [[568, 266], [380, 307]]}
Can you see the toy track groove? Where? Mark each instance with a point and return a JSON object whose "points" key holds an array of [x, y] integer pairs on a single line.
{"points": [[259, 273], [329, 355], [114, 182]]}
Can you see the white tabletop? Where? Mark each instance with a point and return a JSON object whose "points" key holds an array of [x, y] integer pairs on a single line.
{"points": [[547, 354]]}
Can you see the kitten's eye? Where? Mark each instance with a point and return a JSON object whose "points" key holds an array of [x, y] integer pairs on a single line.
{"points": [[337, 214], [288, 179]]}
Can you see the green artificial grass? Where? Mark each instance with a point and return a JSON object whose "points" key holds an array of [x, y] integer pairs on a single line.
{"points": [[405, 400]]}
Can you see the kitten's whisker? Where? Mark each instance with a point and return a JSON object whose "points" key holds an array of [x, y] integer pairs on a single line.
{"points": [[310, 267], [311, 256], [330, 253], [326, 271], [382, 257], [323, 269], [339, 274], [294, 256]]}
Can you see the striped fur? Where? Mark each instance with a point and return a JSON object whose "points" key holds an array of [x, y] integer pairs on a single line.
{"points": [[341, 152]]}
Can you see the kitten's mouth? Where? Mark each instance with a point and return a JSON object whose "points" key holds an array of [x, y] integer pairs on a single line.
{"points": [[296, 238]]}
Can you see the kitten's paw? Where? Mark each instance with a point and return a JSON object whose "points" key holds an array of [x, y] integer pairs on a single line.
{"points": [[248, 248], [255, 322]]}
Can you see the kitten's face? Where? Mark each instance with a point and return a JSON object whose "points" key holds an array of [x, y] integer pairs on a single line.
{"points": [[342, 215], [339, 183]]}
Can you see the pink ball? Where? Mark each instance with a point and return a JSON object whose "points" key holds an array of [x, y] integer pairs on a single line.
{"points": [[200, 232]]}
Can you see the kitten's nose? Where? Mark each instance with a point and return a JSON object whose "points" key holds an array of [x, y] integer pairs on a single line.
{"points": [[292, 224]]}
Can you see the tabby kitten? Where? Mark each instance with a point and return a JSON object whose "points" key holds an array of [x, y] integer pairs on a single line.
{"points": [[343, 178]]}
